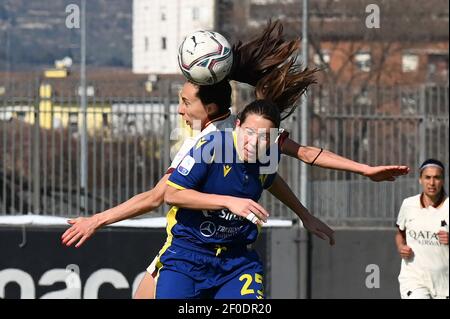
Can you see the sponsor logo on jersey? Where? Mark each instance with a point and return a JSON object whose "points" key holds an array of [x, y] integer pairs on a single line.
{"points": [[186, 165], [226, 170], [208, 229], [200, 142]]}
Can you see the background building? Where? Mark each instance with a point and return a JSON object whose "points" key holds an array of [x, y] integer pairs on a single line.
{"points": [[159, 26]]}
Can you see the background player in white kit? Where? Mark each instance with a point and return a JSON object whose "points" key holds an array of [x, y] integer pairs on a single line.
{"points": [[422, 237]]}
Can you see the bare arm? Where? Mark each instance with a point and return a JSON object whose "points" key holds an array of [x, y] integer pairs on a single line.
{"points": [[135, 206], [443, 237], [189, 198], [328, 159], [403, 249], [84, 227], [282, 192]]}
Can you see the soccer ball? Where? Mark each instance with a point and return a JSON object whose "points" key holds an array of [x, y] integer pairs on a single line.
{"points": [[205, 57]]}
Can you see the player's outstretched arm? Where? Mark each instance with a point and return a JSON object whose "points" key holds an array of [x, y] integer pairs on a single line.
{"points": [[82, 228], [192, 199], [327, 159], [283, 192]]}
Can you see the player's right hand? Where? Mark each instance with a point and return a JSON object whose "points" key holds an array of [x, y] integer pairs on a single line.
{"points": [[81, 230], [406, 252], [385, 173], [443, 237], [245, 206]]}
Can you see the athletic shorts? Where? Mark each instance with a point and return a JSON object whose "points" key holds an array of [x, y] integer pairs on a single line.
{"points": [[186, 273]]}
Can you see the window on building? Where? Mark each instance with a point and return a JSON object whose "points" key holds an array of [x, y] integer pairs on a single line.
{"points": [[325, 56], [56, 122], [146, 44], [363, 61], [164, 43], [410, 62], [363, 97], [20, 115], [105, 121], [73, 121], [90, 91], [131, 123], [195, 13], [321, 100], [438, 67]]}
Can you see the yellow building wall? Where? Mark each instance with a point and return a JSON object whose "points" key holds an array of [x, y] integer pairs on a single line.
{"points": [[51, 114]]}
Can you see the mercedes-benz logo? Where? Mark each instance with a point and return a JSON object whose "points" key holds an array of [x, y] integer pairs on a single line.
{"points": [[207, 229]]}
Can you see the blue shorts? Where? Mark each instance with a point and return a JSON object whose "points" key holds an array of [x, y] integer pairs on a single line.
{"points": [[192, 274]]}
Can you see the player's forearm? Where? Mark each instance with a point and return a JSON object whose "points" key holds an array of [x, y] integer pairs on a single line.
{"points": [[192, 199], [326, 159], [330, 160], [283, 193], [135, 206], [400, 240]]}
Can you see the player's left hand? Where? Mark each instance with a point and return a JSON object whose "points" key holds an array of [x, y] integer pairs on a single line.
{"points": [[443, 237], [82, 228], [319, 228], [385, 173]]}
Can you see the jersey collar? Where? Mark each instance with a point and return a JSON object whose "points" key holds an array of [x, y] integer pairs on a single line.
{"points": [[219, 118], [437, 204], [236, 146]]}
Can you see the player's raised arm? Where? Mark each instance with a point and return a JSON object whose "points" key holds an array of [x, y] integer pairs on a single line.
{"points": [[326, 159], [82, 228], [282, 192]]}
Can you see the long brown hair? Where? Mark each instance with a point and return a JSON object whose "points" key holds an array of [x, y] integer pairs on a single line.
{"points": [[269, 63], [264, 108]]}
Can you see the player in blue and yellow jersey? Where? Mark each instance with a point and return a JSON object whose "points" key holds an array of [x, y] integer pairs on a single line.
{"points": [[215, 216]]}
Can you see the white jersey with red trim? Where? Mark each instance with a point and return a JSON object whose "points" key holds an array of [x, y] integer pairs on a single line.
{"points": [[227, 121], [429, 267]]}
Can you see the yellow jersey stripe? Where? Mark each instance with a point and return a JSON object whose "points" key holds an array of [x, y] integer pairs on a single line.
{"points": [[259, 228], [236, 145], [200, 143], [171, 221], [175, 186]]}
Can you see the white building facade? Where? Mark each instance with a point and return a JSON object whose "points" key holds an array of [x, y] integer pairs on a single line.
{"points": [[159, 26]]}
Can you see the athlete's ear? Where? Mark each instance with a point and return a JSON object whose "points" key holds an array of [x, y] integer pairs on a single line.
{"points": [[238, 123], [212, 109]]}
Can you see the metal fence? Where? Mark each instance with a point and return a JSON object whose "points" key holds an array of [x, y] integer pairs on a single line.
{"points": [[129, 148], [395, 125]]}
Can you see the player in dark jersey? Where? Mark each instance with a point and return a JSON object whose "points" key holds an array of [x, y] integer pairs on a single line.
{"points": [[215, 217]]}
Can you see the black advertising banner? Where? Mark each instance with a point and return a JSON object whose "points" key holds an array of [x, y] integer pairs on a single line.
{"points": [[34, 264]]}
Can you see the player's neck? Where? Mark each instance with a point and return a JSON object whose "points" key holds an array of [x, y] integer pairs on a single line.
{"points": [[216, 118], [434, 201]]}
